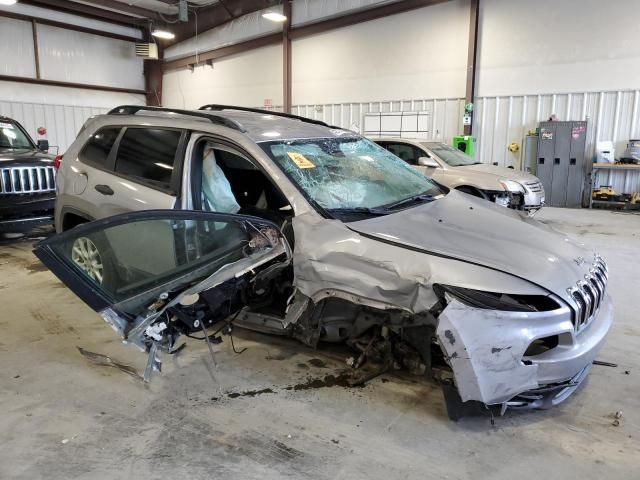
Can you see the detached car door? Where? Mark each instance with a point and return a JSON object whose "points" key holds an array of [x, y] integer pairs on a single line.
{"points": [[157, 274]]}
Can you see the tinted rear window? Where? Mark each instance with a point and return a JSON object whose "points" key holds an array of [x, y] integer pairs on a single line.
{"points": [[148, 154], [97, 149]]}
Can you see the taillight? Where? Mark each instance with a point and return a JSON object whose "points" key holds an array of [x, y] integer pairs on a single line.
{"points": [[56, 162]]}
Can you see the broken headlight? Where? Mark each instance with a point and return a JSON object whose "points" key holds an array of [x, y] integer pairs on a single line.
{"points": [[497, 301], [512, 186]]}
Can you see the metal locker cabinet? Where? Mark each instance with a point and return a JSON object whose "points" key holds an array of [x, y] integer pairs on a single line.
{"points": [[577, 164], [558, 197], [530, 154], [546, 150]]}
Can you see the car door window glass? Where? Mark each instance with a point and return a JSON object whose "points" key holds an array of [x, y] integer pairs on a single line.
{"points": [[96, 151], [131, 258], [406, 152], [148, 154]]}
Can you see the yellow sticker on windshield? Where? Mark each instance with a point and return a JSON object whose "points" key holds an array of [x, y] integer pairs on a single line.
{"points": [[300, 160]]}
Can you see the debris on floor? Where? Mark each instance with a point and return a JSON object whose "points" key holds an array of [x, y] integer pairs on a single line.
{"points": [[106, 361], [605, 364], [617, 417]]}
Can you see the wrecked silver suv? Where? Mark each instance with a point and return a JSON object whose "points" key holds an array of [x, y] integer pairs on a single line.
{"points": [[289, 226]]}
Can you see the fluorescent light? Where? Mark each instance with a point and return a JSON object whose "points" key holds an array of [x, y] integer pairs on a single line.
{"points": [[8, 2], [274, 16], [159, 33], [164, 165]]}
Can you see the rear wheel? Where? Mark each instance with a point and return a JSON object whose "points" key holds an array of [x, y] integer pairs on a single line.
{"points": [[86, 255], [89, 255]]}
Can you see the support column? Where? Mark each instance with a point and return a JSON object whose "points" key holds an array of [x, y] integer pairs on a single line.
{"points": [[36, 51], [153, 82], [286, 57], [472, 54], [153, 74]]}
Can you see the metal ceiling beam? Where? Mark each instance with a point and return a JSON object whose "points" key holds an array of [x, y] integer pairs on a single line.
{"points": [[217, 14], [124, 7], [361, 16], [57, 83], [304, 31], [67, 26], [86, 11], [273, 39]]}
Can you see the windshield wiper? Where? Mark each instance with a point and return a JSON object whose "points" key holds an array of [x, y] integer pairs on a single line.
{"points": [[358, 210], [423, 197]]}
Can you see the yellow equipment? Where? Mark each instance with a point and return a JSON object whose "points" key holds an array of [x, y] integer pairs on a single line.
{"points": [[604, 192]]}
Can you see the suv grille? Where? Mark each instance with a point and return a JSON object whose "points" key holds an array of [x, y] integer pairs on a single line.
{"points": [[589, 293], [21, 180]]}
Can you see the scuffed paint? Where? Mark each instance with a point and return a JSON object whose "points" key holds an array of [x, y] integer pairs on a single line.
{"points": [[484, 355]]}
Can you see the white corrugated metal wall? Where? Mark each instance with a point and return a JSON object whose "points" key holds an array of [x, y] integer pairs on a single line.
{"points": [[65, 55], [62, 121], [499, 121]]}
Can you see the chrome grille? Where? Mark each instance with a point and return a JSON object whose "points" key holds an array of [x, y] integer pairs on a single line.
{"points": [[534, 187], [589, 293], [20, 180]]}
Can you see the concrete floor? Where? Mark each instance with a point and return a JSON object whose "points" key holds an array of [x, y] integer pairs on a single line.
{"points": [[64, 417]]}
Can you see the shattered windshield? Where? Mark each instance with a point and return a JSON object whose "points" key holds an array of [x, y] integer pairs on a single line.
{"points": [[350, 173], [452, 156], [12, 136]]}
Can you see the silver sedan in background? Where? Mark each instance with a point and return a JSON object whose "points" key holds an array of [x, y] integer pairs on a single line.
{"points": [[454, 169]]}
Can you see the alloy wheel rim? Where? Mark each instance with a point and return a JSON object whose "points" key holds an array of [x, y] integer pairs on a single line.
{"points": [[85, 254]]}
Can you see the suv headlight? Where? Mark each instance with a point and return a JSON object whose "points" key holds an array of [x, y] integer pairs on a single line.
{"points": [[497, 301], [512, 186]]}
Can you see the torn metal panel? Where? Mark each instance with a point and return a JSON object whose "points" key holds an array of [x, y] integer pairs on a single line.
{"points": [[330, 258], [487, 366], [487, 349]]}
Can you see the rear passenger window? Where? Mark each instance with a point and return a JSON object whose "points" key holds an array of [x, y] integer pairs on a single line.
{"points": [[97, 149], [148, 154]]}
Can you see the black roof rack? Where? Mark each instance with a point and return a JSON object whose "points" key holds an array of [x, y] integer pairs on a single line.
{"points": [[213, 106], [133, 109]]}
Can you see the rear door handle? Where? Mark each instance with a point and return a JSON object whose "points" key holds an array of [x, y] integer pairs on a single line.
{"points": [[104, 189]]}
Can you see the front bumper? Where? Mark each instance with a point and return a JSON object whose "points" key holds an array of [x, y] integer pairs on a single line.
{"points": [[529, 200], [19, 213], [489, 353], [534, 197]]}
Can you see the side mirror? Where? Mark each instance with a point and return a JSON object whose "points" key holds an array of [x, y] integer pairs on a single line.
{"points": [[428, 162], [43, 145]]}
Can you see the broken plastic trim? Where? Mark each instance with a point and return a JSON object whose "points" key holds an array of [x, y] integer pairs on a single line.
{"points": [[498, 301]]}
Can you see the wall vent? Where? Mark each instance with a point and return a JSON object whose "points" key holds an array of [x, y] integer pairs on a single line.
{"points": [[148, 51]]}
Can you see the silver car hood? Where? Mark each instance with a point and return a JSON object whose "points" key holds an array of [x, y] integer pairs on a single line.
{"points": [[502, 172], [473, 230]]}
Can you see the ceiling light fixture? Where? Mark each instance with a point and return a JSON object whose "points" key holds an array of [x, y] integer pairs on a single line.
{"points": [[159, 33], [274, 16], [8, 2]]}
